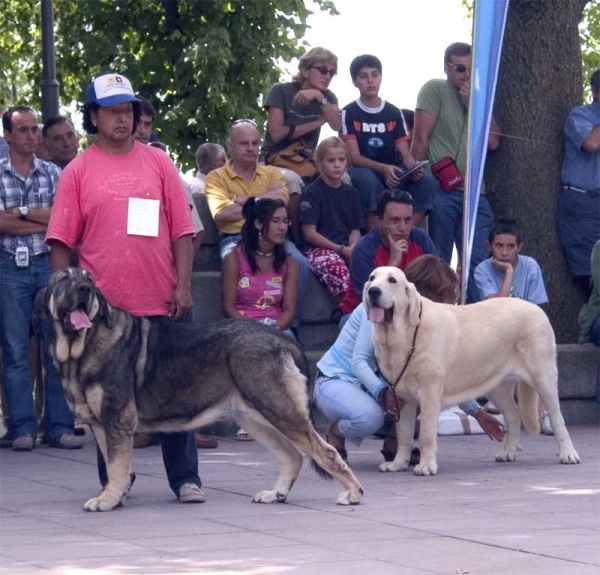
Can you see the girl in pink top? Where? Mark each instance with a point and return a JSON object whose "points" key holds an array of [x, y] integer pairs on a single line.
{"points": [[258, 279]]}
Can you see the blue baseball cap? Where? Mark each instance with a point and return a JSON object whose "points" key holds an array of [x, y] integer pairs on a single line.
{"points": [[110, 89]]}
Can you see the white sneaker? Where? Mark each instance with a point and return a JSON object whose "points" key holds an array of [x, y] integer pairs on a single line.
{"points": [[191, 493], [545, 426]]}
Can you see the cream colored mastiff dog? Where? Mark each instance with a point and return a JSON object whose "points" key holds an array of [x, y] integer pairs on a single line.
{"points": [[460, 353]]}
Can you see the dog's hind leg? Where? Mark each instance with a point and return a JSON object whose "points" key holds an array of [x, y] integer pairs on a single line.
{"points": [[503, 399], [405, 431], [549, 394], [328, 460], [290, 459], [284, 405]]}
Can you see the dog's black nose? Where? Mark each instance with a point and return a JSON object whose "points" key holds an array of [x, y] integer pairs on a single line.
{"points": [[374, 292], [84, 290]]}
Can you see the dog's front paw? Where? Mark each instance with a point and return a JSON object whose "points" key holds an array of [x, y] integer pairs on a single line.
{"points": [[393, 466], [506, 455], [426, 469], [348, 498], [104, 502], [569, 456], [269, 496]]}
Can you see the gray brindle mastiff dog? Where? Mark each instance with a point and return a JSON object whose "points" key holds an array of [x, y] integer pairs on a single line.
{"points": [[122, 373]]}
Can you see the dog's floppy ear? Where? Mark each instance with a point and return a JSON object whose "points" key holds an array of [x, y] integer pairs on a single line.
{"points": [[414, 304], [104, 311], [40, 309]]}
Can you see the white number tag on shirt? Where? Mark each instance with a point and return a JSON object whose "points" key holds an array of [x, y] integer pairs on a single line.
{"points": [[142, 217]]}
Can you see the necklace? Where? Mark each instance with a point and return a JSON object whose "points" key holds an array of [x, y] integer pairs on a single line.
{"points": [[259, 253]]}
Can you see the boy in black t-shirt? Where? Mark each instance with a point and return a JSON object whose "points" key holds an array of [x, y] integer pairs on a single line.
{"points": [[378, 142]]}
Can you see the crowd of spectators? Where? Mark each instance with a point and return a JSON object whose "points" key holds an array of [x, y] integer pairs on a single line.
{"points": [[284, 207]]}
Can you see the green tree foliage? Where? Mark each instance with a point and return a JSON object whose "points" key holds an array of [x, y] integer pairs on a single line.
{"points": [[589, 31], [201, 63]]}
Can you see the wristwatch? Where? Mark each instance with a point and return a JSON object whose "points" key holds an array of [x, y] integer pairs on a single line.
{"points": [[23, 211], [324, 101]]}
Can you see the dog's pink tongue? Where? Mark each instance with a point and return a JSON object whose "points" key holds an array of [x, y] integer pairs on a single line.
{"points": [[79, 319], [376, 314]]}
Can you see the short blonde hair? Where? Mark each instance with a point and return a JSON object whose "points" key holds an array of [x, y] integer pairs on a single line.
{"points": [[328, 144], [315, 57]]}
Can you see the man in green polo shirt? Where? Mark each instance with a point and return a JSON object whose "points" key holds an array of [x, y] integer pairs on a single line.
{"points": [[441, 125]]}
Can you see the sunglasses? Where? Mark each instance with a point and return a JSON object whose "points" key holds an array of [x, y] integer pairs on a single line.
{"points": [[244, 121], [460, 68], [402, 195], [325, 71]]}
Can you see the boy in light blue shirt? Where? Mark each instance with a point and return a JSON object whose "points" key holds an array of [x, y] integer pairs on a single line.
{"points": [[509, 274]]}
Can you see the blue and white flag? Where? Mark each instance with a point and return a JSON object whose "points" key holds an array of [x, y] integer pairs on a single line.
{"points": [[488, 31]]}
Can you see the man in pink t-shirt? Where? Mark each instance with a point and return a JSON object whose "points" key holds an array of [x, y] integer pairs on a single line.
{"points": [[122, 205]]}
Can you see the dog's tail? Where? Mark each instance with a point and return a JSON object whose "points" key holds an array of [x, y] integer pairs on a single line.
{"points": [[528, 406], [320, 471]]}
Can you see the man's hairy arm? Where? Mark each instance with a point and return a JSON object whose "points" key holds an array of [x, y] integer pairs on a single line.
{"points": [[59, 255], [424, 125], [12, 225], [592, 143]]}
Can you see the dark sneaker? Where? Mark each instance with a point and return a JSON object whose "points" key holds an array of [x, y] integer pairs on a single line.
{"points": [[6, 442], [66, 441], [23, 443]]}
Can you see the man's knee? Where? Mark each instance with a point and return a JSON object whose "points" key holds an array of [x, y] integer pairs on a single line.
{"points": [[293, 182], [227, 245]]}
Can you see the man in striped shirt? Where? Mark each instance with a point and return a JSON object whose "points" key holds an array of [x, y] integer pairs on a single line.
{"points": [[27, 187]]}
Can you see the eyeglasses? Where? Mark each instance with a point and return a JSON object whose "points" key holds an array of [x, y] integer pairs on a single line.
{"points": [[122, 111], [460, 68], [325, 71], [244, 121], [283, 221]]}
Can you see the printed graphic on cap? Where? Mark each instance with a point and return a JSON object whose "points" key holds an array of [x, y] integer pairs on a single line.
{"points": [[106, 86]]}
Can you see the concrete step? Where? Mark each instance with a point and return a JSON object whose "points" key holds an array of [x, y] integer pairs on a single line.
{"points": [[206, 292]]}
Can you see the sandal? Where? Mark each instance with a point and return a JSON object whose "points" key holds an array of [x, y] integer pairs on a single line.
{"points": [[243, 435], [342, 452]]}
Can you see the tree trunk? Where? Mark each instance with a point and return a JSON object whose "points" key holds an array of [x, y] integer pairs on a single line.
{"points": [[538, 84]]}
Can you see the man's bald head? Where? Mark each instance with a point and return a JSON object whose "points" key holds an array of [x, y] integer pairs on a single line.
{"points": [[244, 142]]}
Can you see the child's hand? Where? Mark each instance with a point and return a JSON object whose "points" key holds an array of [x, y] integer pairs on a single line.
{"points": [[389, 174], [493, 428], [503, 267]]}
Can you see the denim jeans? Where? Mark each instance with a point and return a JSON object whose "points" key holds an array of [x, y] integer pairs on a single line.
{"points": [[179, 452], [595, 332], [357, 414], [18, 289], [368, 186], [446, 229], [228, 244]]}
